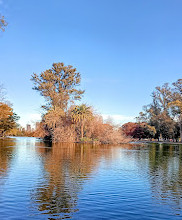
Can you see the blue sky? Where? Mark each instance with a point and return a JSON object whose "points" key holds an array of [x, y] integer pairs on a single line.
{"points": [[122, 48]]}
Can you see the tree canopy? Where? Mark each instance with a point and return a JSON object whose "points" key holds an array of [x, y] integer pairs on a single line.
{"points": [[164, 113], [8, 119], [58, 85], [80, 114]]}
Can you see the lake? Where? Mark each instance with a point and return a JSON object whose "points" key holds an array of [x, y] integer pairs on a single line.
{"points": [[77, 181]]}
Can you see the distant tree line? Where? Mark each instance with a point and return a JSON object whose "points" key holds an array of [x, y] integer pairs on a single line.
{"points": [[162, 119]]}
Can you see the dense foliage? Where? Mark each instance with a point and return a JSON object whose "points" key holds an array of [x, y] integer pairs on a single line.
{"points": [[8, 119], [63, 120], [58, 85], [164, 114]]}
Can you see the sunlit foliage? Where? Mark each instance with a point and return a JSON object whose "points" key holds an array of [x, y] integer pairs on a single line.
{"points": [[164, 113], [80, 114], [8, 119], [58, 85], [63, 120]]}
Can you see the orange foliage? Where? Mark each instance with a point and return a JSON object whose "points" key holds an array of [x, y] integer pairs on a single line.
{"points": [[129, 128], [5, 111]]}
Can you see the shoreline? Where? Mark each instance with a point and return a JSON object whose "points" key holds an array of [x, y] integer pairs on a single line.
{"points": [[156, 142], [97, 143]]}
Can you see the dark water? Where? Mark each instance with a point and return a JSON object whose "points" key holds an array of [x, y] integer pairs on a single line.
{"points": [[89, 182]]}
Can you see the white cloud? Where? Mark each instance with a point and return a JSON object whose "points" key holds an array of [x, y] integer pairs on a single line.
{"points": [[29, 118], [119, 119]]}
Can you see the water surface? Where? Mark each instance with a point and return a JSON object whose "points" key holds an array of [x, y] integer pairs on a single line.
{"points": [[38, 181]]}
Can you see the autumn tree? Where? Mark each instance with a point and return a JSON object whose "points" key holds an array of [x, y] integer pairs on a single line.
{"points": [[53, 116], [139, 130], [129, 128], [64, 121], [8, 119], [101, 132], [58, 85]]}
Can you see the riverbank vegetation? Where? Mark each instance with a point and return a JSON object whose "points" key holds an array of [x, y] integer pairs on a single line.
{"points": [[162, 118], [8, 118], [64, 120]]}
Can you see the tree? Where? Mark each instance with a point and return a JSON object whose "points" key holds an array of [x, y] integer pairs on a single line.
{"points": [[5, 111], [157, 113], [8, 119], [80, 114], [3, 23], [58, 85], [53, 116], [178, 104], [129, 128], [139, 130], [162, 95], [149, 131]]}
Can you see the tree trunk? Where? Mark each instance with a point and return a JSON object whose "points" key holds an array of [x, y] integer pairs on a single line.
{"points": [[180, 128], [81, 130]]}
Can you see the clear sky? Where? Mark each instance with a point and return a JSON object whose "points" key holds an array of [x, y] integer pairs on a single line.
{"points": [[122, 48]]}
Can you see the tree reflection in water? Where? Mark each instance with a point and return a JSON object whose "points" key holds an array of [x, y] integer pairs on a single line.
{"points": [[162, 165], [62, 171], [165, 169], [68, 166], [6, 152]]}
